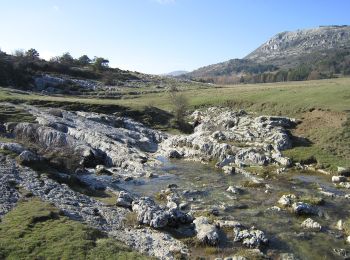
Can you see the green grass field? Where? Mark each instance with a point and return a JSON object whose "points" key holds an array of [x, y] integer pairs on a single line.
{"points": [[331, 98], [36, 230]]}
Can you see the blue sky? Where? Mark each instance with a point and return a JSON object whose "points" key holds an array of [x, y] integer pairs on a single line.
{"points": [[158, 36]]}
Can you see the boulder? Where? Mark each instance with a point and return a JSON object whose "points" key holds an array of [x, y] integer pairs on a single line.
{"points": [[251, 238], [124, 199], [311, 224], [206, 232], [27, 157], [149, 213]]}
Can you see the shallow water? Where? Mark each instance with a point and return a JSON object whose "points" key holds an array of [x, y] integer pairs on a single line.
{"points": [[250, 208]]}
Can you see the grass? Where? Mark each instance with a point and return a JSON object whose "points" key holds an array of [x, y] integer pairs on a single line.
{"points": [[131, 219], [7, 152], [265, 172], [253, 184], [327, 159], [11, 114], [329, 145], [312, 200], [288, 98], [37, 230], [347, 226]]}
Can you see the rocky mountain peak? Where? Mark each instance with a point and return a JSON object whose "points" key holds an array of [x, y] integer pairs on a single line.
{"points": [[302, 41]]}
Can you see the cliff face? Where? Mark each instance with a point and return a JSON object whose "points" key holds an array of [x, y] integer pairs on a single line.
{"points": [[297, 43]]}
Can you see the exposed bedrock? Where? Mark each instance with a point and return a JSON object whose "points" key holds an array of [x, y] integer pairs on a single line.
{"points": [[89, 139], [230, 137]]}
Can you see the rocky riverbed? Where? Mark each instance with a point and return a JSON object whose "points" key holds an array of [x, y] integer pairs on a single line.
{"points": [[225, 190]]}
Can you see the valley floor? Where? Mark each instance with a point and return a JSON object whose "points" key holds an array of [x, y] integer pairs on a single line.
{"points": [[271, 186]]}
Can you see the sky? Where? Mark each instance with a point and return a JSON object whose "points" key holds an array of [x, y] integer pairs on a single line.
{"points": [[158, 36]]}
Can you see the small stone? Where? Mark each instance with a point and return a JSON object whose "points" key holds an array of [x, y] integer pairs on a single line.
{"points": [[287, 200], [102, 170], [128, 178], [344, 171], [340, 225], [229, 170], [348, 239], [183, 206], [288, 256], [251, 238], [174, 154], [206, 233], [301, 208], [239, 258], [345, 185], [274, 208], [311, 224], [234, 190], [27, 157], [337, 179], [124, 199], [151, 175]]}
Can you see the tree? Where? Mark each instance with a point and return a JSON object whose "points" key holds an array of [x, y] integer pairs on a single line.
{"points": [[84, 60], [19, 53], [32, 54], [100, 63], [66, 58], [313, 75]]}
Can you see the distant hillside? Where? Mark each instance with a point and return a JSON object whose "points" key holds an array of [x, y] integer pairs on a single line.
{"points": [[175, 73], [77, 76], [304, 54], [295, 44]]}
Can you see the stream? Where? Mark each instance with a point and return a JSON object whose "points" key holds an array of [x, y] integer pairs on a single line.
{"points": [[203, 188]]}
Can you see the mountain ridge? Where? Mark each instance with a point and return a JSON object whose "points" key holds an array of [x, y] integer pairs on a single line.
{"points": [[324, 50]]}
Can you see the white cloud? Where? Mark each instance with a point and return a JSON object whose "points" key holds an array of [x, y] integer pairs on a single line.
{"points": [[56, 8]]}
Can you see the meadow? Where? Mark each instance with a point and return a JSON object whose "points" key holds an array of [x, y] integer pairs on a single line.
{"points": [[322, 106]]}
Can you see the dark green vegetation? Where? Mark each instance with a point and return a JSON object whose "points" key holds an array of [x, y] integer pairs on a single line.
{"points": [[37, 230], [17, 70], [317, 65]]}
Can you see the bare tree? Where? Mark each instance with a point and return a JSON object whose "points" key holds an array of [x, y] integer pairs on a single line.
{"points": [[180, 104]]}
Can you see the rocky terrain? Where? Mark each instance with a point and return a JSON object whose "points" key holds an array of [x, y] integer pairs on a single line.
{"points": [[254, 201], [302, 42]]}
